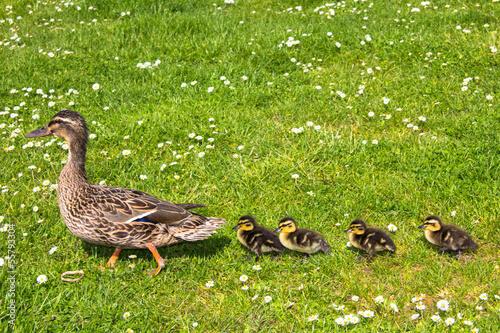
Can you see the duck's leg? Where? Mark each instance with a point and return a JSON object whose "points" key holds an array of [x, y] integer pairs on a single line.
{"points": [[158, 258], [258, 253], [114, 258], [371, 255]]}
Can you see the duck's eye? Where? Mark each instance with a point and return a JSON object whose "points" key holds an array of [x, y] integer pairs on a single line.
{"points": [[248, 224]]}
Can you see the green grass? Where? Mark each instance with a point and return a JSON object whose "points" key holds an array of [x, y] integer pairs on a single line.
{"points": [[451, 163]]}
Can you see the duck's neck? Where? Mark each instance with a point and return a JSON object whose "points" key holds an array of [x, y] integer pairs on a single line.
{"points": [[74, 170]]}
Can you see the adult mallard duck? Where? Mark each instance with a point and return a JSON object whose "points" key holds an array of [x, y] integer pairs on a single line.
{"points": [[117, 217]]}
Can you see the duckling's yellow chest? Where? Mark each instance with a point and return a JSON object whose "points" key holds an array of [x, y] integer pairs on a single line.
{"points": [[241, 238], [431, 236], [354, 241]]}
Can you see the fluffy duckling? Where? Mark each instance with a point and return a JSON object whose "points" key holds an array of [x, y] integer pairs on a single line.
{"points": [[256, 238], [447, 236], [300, 240], [371, 240]]}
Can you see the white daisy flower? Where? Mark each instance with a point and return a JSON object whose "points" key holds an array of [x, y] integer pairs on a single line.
{"points": [[340, 321], [297, 130], [313, 318], [352, 319], [436, 318], [420, 306], [415, 316], [367, 314], [443, 305], [449, 321], [42, 279], [392, 228], [243, 278]]}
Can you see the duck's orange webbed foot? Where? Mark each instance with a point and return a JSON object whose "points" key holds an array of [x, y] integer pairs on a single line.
{"points": [[114, 258], [158, 258]]}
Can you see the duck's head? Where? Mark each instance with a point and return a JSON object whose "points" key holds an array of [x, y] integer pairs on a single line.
{"points": [[287, 225], [245, 223], [431, 223], [66, 124], [357, 227]]}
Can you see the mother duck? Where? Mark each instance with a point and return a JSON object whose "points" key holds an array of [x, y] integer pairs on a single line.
{"points": [[112, 216]]}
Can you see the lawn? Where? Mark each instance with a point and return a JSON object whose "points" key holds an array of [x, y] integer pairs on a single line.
{"points": [[382, 110]]}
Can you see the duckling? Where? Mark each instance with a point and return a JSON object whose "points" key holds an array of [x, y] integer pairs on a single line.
{"points": [[448, 237], [300, 240], [371, 240], [257, 239]]}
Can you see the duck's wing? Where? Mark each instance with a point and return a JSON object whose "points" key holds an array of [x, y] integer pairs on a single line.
{"points": [[189, 206], [457, 239], [120, 205]]}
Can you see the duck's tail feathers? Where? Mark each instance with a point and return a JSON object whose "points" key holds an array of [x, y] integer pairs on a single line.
{"points": [[471, 245], [197, 228], [390, 246], [325, 247]]}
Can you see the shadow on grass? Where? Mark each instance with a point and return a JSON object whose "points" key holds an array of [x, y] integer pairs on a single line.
{"points": [[201, 249], [363, 255]]}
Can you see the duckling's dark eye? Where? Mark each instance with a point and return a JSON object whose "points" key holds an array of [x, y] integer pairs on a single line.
{"points": [[248, 224]]}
